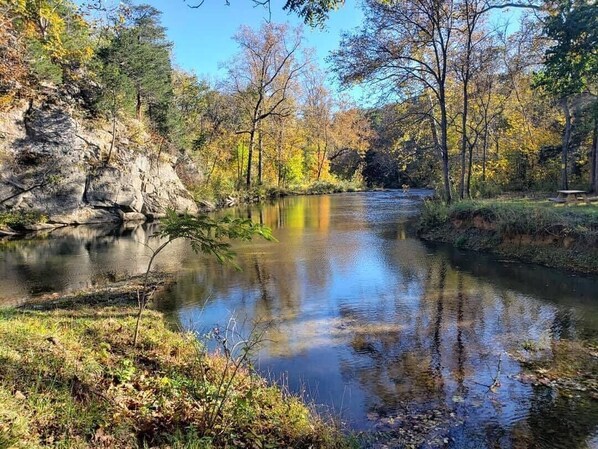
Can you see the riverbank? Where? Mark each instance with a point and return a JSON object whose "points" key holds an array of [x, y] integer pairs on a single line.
{"points": [[70, 377], [210, 199], [535, 231], [15, 224]]}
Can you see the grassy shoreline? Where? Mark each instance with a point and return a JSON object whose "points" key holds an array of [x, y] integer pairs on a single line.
{"points": [[70, 378], [533, 231]]}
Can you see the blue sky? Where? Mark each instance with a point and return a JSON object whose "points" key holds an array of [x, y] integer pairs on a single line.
{"points": [[203, 41], [203, 37]]}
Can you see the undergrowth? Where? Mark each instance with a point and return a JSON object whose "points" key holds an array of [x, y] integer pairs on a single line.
{"points": [[517, 216], [70, 378], [220, 195], [18, 220], [530, 230]]}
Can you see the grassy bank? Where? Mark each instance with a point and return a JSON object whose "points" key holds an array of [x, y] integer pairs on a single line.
{"points": [[530, 230], [70, 378]]}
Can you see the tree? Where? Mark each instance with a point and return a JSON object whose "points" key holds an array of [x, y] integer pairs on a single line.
{"points": [[470, 18], [141, 52], [571, 64], [13, 66], [405, 46], [317, 117], [56, 35], [263, 78], [401, 149]]}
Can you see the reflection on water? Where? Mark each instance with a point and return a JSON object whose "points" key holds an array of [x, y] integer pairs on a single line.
{"points": [[368, 320]]}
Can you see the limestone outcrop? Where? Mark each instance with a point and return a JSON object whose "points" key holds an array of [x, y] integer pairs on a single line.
{"points": [[54, 163]]}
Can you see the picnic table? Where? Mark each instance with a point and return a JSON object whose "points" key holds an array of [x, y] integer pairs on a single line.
{"points": [[570, 196]]}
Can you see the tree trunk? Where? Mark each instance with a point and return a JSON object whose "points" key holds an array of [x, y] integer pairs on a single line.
{"points": [[444, 148], [138, 106], [484, 152], [260, 159], [469, 168], [594, 157], [279, 154], [566, 142], [464, 139], [321, 157], [250, 155], [433, 125]]}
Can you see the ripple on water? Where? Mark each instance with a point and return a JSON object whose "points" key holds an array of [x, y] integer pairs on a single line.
{"points": [[401, 338]]}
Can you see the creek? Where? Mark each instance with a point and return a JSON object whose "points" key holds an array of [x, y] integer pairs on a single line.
{"points": [[365, 320]]}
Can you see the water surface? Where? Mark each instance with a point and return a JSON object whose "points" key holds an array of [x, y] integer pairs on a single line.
{"points": [[364, 319]]}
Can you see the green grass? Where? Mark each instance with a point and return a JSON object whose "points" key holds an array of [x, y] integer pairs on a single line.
{"points": [[531, 230], [69, 378], [531, 217], [517, 216]]}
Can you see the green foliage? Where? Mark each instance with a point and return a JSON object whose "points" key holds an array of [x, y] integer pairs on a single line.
{"points": [[58, 40], [321, 187], [571, 64], [138, 58], [434, 213], [313, 12], [18, 220], [41, 64]]}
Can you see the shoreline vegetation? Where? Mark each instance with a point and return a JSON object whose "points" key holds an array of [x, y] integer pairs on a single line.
{"points": [[530, 230], [19, 223], [70, 377]]}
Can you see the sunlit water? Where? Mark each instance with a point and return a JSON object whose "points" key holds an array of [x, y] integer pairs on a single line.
{"points": [[364, 319]]}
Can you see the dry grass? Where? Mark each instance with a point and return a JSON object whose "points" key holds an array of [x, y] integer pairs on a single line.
{"points": [[70, 378]]}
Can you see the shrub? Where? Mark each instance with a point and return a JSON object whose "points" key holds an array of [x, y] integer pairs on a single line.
{"points": [[434, 213], [19, 220]]}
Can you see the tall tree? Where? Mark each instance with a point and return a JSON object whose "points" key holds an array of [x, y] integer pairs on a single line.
{"points": [[263, 77], [317, 117], [571, 65], [405, 46], [142, 51]]}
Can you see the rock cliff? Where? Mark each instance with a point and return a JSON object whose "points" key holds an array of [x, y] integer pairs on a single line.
{"points": [[54, 163]]}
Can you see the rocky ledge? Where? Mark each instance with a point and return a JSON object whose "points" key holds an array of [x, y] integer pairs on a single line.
{"points": [[57, 165]]}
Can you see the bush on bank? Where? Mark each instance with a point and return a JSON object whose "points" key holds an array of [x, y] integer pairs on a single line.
{"points": [[220, 195]]}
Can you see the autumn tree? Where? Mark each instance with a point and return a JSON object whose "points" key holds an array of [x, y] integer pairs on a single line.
{"points": [[13, 65], [263, 77], [317, 115], [405, 47], [57, 38]]}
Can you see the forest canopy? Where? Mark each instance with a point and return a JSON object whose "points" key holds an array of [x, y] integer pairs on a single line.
{"points": [[464, 103]]}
